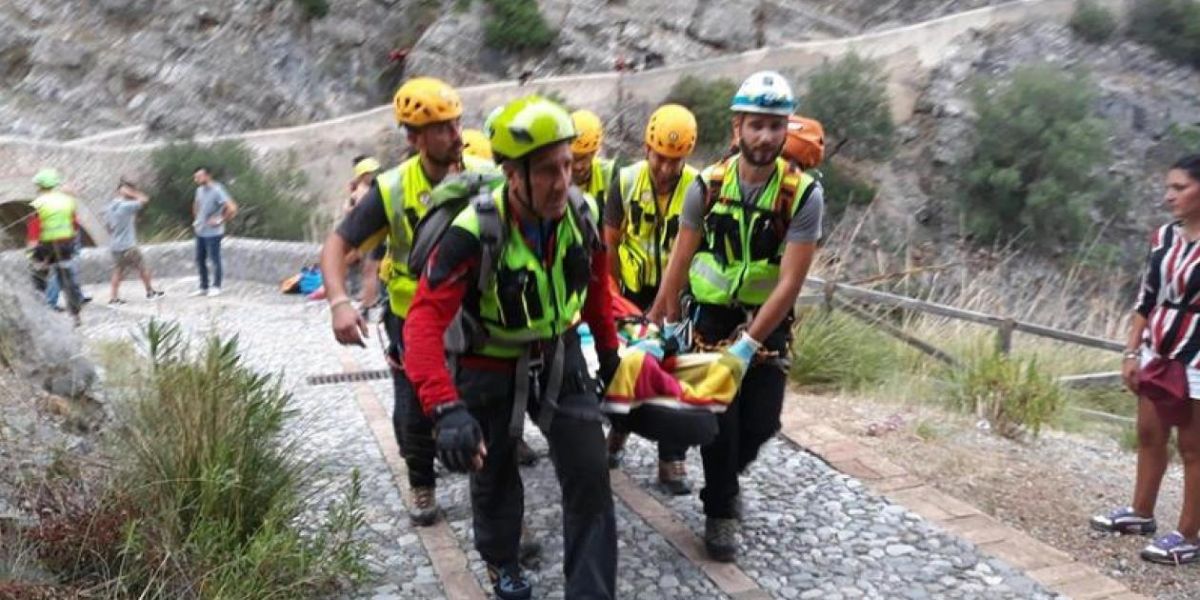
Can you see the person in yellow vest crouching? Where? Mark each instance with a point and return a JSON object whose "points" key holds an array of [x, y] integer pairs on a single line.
{"points": [[55, 241], [641, 221], [429, 111], [747, 237]]}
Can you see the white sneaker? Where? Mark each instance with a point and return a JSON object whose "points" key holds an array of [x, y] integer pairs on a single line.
{"points": [[214, 291], [198, 293]]}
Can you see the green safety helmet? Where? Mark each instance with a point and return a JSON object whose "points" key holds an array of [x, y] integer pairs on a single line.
{"points": [[47, 179], [527, 124]]}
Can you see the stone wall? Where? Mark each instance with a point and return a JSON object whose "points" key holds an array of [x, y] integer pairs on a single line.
{"points": [[323, 149]]}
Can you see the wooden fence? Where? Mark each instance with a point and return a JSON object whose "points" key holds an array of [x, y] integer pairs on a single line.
{"points": [[847, 297]]}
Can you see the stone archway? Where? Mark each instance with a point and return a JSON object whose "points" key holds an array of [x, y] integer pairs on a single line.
{"points": [[15, 195]]}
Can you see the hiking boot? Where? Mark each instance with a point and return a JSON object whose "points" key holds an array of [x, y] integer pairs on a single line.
{"points": [[672, 476], [530, 548], [1124, 520], [424, 510], [1172, 549], [154, 295], [616, 447], [509, 582], [720, 539], [526, 457]]}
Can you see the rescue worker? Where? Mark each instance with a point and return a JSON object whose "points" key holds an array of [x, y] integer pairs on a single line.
{"points": [[546, 274], [52, 234], [365, 169], [641, 221], [589, 172], [475, 143], [428, 110], [747, 237]]}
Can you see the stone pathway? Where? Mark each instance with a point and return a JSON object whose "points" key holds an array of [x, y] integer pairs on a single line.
{"points": [[810, 531]]}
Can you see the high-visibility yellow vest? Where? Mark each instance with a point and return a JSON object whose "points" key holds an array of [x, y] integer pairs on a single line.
{"points": [[56, 212], [647, 236], [738, 259], [408, 182]]}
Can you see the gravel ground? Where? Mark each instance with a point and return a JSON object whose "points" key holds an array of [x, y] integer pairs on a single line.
{"points": [[809, 531], [1047, 487]]}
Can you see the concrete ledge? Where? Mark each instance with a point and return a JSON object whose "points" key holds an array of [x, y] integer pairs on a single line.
{"points": [[245, 259]]}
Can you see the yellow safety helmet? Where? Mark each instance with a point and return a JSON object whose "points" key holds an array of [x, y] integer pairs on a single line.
{"points": [[424, 100], [671, 131], [476, 144], [366, 165], [589, 132]]}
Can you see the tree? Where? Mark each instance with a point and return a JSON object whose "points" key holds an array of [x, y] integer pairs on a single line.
{"points": [[709, 101], [1093, 22], [849, 97], [1033, 167], [272, 202], [516, 25], [1171, 26]]}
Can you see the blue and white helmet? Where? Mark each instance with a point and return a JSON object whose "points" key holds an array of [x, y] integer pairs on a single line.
{"points": [[765, 92]]}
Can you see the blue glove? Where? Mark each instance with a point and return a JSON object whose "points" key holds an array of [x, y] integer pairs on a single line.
{"points": [[744, 349], [675, 335], [650, 346]]}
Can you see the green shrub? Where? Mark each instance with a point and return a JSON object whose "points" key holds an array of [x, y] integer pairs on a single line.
{"points": [[709, 101], [1186, 137], [314, 9], [1171, 26], [835, 349], [209, 490], [850, 99], [1032, 171], [1092, 22], [843, 189], [1013, 394], [272, 202], [516, 25]]}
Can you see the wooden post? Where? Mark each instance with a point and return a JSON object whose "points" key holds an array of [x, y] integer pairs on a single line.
{"points": [[830, 288], [1004, 333]]}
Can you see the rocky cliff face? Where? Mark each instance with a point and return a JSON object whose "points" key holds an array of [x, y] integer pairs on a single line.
{"points": [[70, 69]]}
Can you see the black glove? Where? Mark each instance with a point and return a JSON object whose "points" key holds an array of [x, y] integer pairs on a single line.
{"points": [[609, 361], [457, 435]]}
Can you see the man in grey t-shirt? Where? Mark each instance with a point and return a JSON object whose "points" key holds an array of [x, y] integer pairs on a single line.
{"points": [[210, 208], [744, 267], [121, 218]]}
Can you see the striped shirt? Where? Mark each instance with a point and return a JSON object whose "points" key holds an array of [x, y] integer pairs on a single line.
{"points": [[1170, 296]]}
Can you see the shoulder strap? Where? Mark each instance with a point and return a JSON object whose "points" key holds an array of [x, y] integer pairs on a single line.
{"points": [[582, 213], [716, 180], [492, 234]]}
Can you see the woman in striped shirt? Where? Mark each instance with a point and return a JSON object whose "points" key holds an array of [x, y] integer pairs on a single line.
{"points": [[1166, 323]]}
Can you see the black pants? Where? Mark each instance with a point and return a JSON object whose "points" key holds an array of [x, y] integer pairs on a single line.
{"points": [[644, 299], [578, 452], [58, 254], [414, 430], [752, 418]]}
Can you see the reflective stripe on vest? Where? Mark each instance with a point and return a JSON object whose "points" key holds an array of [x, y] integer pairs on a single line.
{"points": [[409, 183], [526, 301], [647, 237], [739, 255], [56, 212], [601, 174]]}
